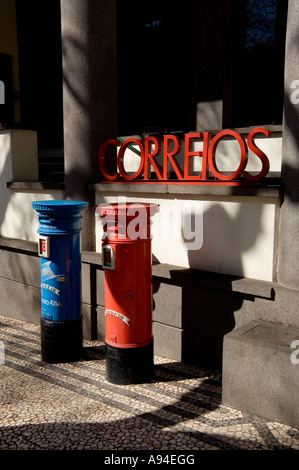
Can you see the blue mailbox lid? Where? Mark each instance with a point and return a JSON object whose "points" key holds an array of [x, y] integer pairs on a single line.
{"points": [[60, 220], [59, 216], [59, 206]]}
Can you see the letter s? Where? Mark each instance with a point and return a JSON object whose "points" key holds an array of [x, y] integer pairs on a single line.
{"points": [[259, 153]]}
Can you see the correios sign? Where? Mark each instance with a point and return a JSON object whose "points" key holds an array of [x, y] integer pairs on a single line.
{"points": [[172, 172]]}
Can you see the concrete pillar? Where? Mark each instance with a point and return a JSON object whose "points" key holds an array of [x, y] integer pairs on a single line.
{"points": [[288, 260], [89, 96]]}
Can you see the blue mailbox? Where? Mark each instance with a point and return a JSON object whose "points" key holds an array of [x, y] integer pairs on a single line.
{"points": [[59, 248]]}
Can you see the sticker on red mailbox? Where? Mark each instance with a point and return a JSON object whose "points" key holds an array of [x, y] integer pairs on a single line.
{"points": [[44, 247], [108, 257], [122, 317]]}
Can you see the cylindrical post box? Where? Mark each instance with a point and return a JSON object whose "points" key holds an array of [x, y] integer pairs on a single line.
{"points": [[127, 262], [59, 248]]}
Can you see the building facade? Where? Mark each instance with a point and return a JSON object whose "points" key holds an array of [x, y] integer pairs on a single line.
{"points": [[225, 270]]}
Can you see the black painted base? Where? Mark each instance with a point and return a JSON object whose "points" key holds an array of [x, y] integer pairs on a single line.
{"points": [[61, 341], [126, 366]]}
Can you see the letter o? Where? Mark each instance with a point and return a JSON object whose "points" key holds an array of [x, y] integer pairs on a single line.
{"points": [[121, 156], [212, 155]]}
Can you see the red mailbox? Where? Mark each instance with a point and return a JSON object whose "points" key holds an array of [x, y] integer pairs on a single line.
{"points": [[127, 261]]}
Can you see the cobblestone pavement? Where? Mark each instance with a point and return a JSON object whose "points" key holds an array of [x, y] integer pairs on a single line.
{"points": [[72, 406]]}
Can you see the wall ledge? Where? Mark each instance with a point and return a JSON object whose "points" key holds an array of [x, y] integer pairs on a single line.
{"points": [[7, 126], [273, 128], [254, 287], [35, 185], [177, 274], [271, 191], [172, 273], [14, 244]]}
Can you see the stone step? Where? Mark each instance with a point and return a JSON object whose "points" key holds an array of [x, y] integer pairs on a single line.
{"points": [[261, 371]]}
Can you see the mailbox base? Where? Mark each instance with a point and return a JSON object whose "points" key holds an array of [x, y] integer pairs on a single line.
{"points": [[126, 366], [61, 341]]}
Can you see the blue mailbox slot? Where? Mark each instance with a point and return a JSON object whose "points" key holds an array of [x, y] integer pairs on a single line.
{"points": [[59, 248]]}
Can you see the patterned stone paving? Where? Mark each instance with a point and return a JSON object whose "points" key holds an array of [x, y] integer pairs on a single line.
{"points": [[73, 407]]}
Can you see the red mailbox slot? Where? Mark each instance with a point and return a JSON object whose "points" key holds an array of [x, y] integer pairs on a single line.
{"points": [[127, 261]]}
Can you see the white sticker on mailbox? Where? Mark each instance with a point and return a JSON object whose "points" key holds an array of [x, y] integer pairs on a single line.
{"points": [[108, 256], [122, 317], [44, 247]]}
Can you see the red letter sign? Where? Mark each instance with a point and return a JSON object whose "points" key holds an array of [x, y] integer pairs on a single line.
{"points": [[189, 153], [259, 153], [169, 156], [101, 159], [151, 157], [212, 155], [121, 156]]}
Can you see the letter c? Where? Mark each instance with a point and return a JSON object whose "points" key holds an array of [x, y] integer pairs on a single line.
{"points": [[121, 156], [101, 158]]}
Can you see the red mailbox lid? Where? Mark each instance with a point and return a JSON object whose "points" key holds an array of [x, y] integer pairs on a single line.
{"points": [[129, 209]]}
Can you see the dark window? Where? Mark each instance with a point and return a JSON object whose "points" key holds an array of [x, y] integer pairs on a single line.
{"points": [[257, 63], [40, 65], [6, 108], [261, 17], [152, 65], [178, 60], [40, 77]]}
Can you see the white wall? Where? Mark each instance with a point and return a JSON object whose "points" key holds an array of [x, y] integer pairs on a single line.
{"points": [[18, 163], [227, 235], [233, 235], [20, 220], [230, 235]]}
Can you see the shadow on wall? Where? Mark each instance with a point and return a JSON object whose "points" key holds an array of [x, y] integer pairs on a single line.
{"points": [[19, 273], [20, 220], [289, 214], [208, 309], [289, 172], [227, 234], [211, 313], [5, 172]]}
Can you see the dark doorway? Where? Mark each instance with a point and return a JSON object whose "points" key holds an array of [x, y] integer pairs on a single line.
{"points": [[40, 63], [6, 109]]}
